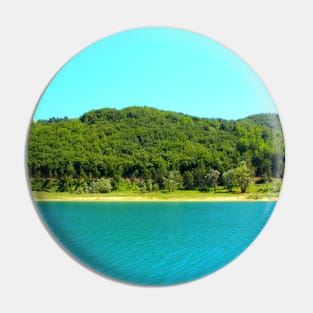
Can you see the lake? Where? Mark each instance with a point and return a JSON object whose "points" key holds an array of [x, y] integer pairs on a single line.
{"points": [[155, 243]]}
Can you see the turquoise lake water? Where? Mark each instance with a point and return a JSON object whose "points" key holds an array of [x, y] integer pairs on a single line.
{"points": [[155, 243]]}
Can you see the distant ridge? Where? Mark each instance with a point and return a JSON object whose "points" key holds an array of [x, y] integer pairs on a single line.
{"points": [[270, 120], [257, 118]]}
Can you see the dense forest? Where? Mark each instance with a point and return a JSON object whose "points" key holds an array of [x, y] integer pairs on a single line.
{"points": [[150, 149]]}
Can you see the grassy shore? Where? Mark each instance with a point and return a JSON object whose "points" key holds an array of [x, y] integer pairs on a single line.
{"points": [[253, 194]]}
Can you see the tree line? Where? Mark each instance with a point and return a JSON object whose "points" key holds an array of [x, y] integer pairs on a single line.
{"points": [[151, 149]]}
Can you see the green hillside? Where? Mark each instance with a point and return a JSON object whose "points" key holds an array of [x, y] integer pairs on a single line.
{"points": [[143, 144]]}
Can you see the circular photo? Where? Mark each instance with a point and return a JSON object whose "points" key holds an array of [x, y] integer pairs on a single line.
{"points": [[155, 156]]}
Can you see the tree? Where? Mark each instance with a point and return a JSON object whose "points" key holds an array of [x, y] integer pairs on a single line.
{"points": [[155, 187], [82, 187], [144, 187], [212, 178], [174, 181], [149, 185], [243, 176], [188, 180], [102, 185], [267, 173], [105, 185], [229, 178], [199, 175]]}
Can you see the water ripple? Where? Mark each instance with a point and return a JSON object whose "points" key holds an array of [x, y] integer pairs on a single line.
{"points": [[155, 243]]}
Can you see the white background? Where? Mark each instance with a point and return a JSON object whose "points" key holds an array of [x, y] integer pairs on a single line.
{"points": [[275, 273]]}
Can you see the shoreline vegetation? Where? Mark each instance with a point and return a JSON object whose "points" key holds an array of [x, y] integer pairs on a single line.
{"points": [[101, 198], [146, 154], [255, 193]]}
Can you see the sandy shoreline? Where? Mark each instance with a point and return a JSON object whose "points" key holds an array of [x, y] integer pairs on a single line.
{"points": [[151, 199]]}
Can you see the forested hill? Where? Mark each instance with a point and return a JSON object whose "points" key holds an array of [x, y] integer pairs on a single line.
{"points": [[147, 143], [268, 120]]}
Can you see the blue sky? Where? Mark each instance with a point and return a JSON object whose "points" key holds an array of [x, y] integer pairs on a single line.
{"points": [[164, 68]]}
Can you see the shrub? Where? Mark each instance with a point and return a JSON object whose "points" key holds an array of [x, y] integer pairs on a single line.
{"points": [[102, 185]]}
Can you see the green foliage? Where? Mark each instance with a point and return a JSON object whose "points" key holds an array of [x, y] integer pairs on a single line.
{"points": [[199, 173], [212, 178], [82, 188], [267, 173], [276, 185], [155, 187], [149, 185], [188, 180], [165, 150], [229, 179], [173, 181], [144, 187], [243, 176], [102, 185], [270, 120]]}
